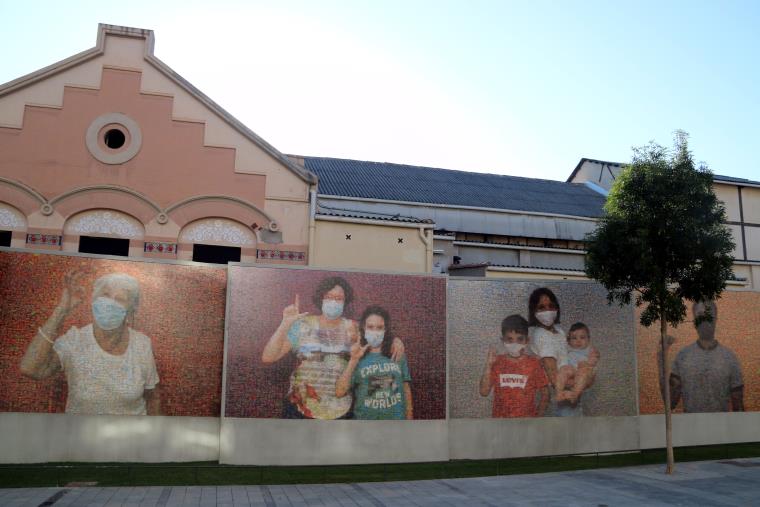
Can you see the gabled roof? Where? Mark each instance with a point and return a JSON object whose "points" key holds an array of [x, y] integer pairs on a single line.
{"points": [[428, 185], [584, 160], [716, 177], [139, 33]]}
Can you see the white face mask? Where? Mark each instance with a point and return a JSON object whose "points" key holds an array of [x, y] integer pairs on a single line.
{"points": [[514, 349], [374, 338], [547, 317], [108, 313], [332, 309]]}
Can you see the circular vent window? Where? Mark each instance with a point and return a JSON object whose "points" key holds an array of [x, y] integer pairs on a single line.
{"points": [[113, 138]]}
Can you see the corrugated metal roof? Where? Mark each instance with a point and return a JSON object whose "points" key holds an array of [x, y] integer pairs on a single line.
{"points": [[731, 179], [397, 182], [347, 213]]}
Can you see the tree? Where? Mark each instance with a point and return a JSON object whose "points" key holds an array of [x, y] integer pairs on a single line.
{"points": [[662, 240]]}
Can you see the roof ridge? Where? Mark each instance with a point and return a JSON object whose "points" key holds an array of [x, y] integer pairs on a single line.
{"points": [[305, 157]]}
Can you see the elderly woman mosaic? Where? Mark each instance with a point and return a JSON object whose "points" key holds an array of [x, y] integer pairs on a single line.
{"points": [[116, 327], [109, 366]]}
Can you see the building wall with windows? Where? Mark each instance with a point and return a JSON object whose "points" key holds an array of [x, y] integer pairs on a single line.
{"points": [[741, 198], [110, 151]]}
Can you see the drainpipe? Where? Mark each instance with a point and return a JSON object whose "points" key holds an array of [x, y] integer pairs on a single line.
{"points": [[312, 223], [427, 239]]}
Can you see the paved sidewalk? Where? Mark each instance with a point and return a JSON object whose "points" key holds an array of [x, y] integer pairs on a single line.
{"points": [[727, 482]]}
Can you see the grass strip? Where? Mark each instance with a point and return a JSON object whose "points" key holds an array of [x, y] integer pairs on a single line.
{"points": [[211, 473]]}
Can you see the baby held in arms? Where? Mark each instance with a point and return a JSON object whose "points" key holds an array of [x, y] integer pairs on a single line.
{"points": [[579, 372]]}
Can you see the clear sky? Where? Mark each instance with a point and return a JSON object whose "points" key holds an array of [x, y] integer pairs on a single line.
{"points": [[510, 87]]}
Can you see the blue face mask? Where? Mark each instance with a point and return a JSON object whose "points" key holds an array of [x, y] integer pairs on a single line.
{"points": [[332, 309], [108, 313], [374, 338]]}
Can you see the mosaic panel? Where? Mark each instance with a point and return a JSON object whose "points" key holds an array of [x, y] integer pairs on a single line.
{"points": [[289, 345], [172, 342], [489, 378], [718, 371]]}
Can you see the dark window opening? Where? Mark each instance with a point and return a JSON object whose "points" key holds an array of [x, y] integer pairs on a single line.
{"points": [[114, 139], [104, 246], [5, 238], [216, 254]]}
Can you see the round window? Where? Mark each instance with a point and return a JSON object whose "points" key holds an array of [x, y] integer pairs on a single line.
{"points": [[113, 138]]}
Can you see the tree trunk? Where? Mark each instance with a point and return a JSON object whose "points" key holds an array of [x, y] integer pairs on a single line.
{"points": [[666, 375]]}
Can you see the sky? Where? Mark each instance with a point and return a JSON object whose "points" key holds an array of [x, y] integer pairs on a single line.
{"points": [[499, 86]]}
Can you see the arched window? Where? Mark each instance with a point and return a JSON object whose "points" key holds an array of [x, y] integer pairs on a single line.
{"points": [[103, 231], [12, 226], [217, 240]]}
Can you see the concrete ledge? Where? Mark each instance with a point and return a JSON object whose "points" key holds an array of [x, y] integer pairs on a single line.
{"points": [[701, 429], [514, 438], [39, 438], [314, 442]]}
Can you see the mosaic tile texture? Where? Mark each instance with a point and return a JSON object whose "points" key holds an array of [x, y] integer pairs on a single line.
{"points": [[737, 328], [181, 310], [257, 297], [475, 312]]}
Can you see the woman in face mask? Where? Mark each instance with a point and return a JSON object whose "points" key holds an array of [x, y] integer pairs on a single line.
{"points": [[109, 366], [547, 339], [322, 344], [381, 386]]}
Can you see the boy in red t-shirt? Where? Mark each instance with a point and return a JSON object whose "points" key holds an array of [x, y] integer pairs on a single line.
{"points": [[515, 377]]}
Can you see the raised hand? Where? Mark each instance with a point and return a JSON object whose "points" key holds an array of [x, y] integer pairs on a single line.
{"points": [[491, 359], [73, 291], [357, 351], [397, 350], [291, 313]]}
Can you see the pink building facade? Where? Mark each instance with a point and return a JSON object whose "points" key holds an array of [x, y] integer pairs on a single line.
{"points": [[112, 152]]}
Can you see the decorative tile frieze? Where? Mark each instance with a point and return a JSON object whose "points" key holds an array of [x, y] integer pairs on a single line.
{"points": [[158, 247], [10, 219], [105, 222], [43, 239], [217, 230], [280, 255]]}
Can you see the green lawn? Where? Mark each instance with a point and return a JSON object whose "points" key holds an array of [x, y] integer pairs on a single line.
{"points": [[210, 473]]}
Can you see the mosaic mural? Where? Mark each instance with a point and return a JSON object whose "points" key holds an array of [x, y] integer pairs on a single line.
{"points": [[95, 336], [526, 349], [335, 345], [715, 368]]}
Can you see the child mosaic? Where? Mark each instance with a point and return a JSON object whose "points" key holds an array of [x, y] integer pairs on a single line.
{"points": [[714, 366], [513, 355], [310, 344], [93, 336]]}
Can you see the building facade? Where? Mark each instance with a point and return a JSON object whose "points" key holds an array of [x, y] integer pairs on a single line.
{"points": [[112, 152], [741, 198]]}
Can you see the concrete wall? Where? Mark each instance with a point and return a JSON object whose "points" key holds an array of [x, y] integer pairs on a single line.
{"points": [[39, 438], [314, 442], [514, 438], [701, 429]]}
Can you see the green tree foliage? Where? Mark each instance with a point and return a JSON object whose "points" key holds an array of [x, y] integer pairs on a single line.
{"points": [[662, 238]]}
